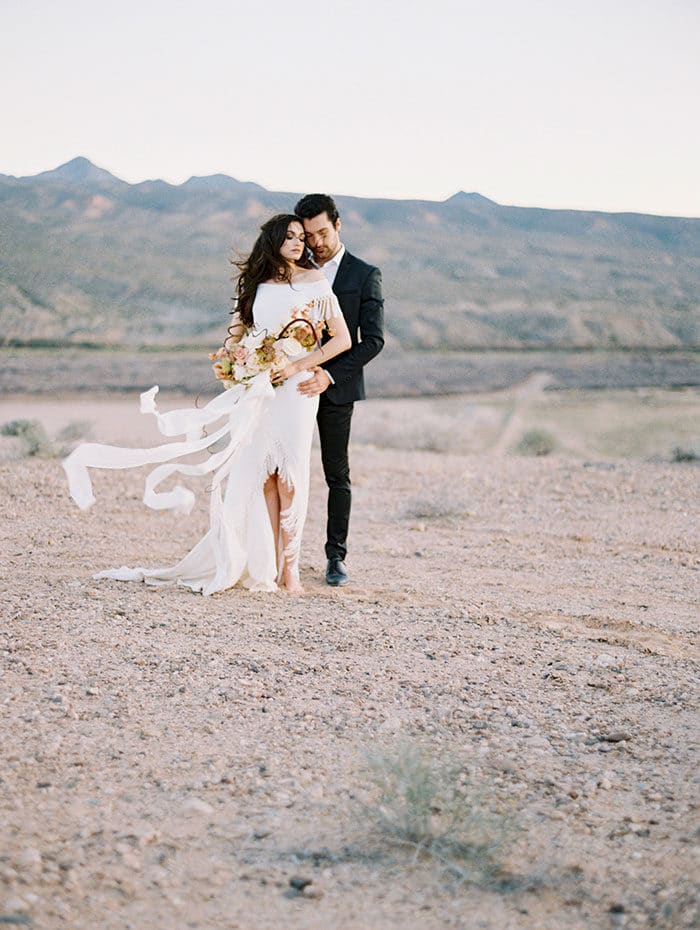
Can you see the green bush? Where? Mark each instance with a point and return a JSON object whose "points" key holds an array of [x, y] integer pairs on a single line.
{"points": [[680, 454], [76, 429], [32, 436], [35, 441], [536, 442]]}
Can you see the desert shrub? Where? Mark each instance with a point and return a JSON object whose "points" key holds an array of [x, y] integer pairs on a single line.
{"points": [[76, 429], [35, 441], [420, 433], [32, 436], [426, 804], [536, 442], [436, 501], [680, 454], [442, 505], [70, 435]]}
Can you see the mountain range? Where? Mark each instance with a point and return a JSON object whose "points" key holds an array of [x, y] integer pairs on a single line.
{"points": [[88, 258]]}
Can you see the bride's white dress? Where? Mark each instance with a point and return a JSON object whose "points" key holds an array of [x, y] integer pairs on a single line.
{"points": [[264, 429]]}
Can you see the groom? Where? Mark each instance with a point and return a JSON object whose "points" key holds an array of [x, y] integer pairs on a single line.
{"points": [[358, 287]]}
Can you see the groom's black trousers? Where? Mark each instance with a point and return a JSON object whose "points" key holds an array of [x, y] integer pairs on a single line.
{"points": [[334, 431]]}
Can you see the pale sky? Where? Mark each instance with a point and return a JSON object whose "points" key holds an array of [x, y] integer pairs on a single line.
{"points": [[551, 103]]}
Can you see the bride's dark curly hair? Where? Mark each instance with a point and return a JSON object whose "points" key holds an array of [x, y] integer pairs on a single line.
{"points": [[263, 264]]}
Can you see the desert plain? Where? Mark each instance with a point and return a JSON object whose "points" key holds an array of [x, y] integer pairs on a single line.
{"points": [[494, 725]]}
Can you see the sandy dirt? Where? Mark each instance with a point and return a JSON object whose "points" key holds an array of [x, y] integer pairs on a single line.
{"points": [[173, 761]]}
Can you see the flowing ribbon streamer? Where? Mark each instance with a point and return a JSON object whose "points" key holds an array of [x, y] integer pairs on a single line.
{"points": [[242, 405]]}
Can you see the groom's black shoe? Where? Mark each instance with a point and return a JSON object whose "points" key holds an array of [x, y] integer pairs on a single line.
{"points": [[336, 573]]}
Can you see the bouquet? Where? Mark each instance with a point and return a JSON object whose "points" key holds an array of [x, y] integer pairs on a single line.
{"points": [[261, 350]]}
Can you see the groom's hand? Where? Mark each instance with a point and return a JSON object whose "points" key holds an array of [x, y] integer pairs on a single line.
{"points": [[316, 384]]}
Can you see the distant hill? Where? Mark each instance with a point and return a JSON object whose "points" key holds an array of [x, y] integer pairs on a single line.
{"points": [[86, 257]]}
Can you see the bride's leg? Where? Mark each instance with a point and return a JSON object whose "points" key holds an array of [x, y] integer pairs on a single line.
{"points": [[272, 499], [290, 570]]}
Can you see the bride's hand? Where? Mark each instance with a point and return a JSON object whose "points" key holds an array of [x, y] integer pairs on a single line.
{"points": [[287, 372]]}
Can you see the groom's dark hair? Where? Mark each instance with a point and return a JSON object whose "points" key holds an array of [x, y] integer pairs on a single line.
{"points": [[313, 204]]}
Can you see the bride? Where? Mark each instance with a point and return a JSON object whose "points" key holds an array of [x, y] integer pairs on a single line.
{"points": [[256, 522]]}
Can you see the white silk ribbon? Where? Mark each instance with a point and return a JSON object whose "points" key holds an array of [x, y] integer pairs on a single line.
{"points": [[241, 405]]}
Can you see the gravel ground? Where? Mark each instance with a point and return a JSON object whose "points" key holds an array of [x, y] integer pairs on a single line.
{"points": [[170, 760]]}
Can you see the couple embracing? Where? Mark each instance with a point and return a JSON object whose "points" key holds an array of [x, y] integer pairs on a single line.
{"points": [[298, 280]]}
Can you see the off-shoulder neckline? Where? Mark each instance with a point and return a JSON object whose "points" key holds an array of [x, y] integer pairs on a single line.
{"points": [[293, 283]]}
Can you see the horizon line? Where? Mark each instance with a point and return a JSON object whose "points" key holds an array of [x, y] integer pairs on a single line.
{"points": [[403, 198]]}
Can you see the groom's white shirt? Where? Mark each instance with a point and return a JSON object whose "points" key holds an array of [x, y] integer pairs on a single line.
{"points": [[330, 269]]}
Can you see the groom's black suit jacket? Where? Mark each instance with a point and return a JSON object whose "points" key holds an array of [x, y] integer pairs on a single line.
{"points": [[358, 287]]}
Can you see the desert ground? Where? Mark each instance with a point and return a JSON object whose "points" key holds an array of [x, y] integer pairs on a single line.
{"points": [[492, 726]]}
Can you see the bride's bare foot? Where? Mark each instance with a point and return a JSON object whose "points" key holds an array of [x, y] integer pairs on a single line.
{"points": [[294, 588], [291, 584]]}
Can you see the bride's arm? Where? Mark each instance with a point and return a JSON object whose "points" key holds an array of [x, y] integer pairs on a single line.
{"points": [[340, 342]]}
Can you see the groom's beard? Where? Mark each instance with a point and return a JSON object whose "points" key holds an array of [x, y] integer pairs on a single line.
{"points": [[324, 255]]}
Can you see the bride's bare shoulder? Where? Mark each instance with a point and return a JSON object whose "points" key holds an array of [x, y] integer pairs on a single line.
{"points": [[309, 275]]}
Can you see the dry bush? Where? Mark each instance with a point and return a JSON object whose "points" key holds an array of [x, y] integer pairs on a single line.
{"points": [[437, 502], [426, 804], [35, 441], [536, 442], [32, 436], [435, 506], [420, 434], [76, 429], [681, 454]]}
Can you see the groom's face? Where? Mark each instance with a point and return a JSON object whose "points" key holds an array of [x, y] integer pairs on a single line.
{"points": [[322, 236]]}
